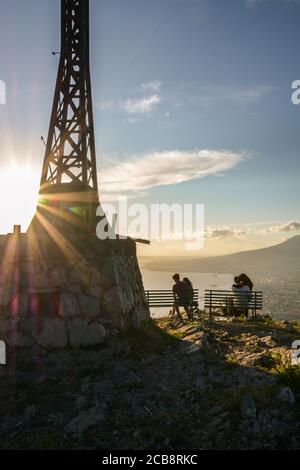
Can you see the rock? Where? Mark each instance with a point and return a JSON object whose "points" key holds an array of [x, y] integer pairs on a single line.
{"points": [[55, 418], [216, 410], [20, 304], [248, 426], [205, 341], [6, 294], [82, 333], [11, 333], [267, 341], [74, 288], [254, 427], [29, 412], [30, 267], [136, 434], [286, 395], [264, 418], [191, 348], [23, 341], [39, 280], [226, 426], [85, 420], [52, 333], [69, 306], [200, 382], [80, 401], [290, 328], [58, 276], [216, 423], [90, 307], [6, 328], [108, 271], [80, 276], [27, 325], [265, 360], [95, 291], [248, 407]]}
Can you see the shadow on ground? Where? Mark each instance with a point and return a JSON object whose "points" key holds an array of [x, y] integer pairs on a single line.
{"points": [[197, 386]]}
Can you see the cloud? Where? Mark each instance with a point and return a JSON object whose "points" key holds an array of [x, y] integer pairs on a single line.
{"points": [[249, 94], [105, 105], [254, 3], [288, 227], [144, 105], [153, 85], [224, 232], [142, 172], [219, 94]]}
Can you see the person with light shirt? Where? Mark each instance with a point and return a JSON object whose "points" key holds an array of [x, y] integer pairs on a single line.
{"points": [[243, 290]]}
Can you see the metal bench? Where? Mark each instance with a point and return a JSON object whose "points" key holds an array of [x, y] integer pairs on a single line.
{"points": [[232, 302], [165, 298]]}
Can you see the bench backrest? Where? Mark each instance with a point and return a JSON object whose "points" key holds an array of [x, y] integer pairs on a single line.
{"points": [[165, 298], [226, 298]]}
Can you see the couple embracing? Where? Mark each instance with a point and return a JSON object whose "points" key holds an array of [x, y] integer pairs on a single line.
{"points": [[183, 293]]}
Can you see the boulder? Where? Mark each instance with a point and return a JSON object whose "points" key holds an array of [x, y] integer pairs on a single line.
{"points": [[38, 280], [248, 407], [52, 333], [69, 306], [58, 276], [6, 294], [83, 333], [85, 420], [287, 395], [90, 306]]}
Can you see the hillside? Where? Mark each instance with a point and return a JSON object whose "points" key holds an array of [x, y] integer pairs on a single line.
{"points": [[193, 386], [282, 258]]}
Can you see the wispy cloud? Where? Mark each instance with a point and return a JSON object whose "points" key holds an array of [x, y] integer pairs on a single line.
{"points": [[144, 105], [142, 172], [153, 85], [249, 94], [288, 227], [105, 105], [239, 95], [150, 95], [224, 232], [254, 3]]}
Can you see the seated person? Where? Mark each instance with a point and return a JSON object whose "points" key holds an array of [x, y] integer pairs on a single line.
{"points": [[245, 280], [189, 289], [242, 298], [181, 296]]}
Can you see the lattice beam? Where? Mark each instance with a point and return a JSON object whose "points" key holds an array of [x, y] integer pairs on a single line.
{"points": [[70, 155]]}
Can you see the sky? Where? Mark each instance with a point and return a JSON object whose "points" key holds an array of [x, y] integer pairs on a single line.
{"points": [[192, 104]]}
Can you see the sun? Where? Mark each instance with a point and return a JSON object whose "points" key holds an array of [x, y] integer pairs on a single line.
{"points": [[19, 185]]}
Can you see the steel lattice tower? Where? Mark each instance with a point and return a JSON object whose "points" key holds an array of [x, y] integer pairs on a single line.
{"points": [[69, 187]]}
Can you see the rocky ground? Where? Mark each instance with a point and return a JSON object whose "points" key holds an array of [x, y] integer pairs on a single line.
{"points": [[229, 385]]}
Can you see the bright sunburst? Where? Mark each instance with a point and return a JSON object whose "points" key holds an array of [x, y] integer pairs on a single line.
{"points": [[19, 187]]}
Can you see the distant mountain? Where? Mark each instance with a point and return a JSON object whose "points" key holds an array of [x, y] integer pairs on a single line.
{"points": [[278, 259]]}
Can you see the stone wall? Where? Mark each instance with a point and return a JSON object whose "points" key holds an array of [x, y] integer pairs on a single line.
{"points": [[72, 292]]}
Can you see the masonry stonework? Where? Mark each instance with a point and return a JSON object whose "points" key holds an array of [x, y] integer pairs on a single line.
{"points": [[69, 293]]}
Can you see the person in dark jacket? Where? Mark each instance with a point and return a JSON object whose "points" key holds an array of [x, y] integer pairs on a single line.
{"points": [[245, 281], [189, 288], [181, 293]]}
